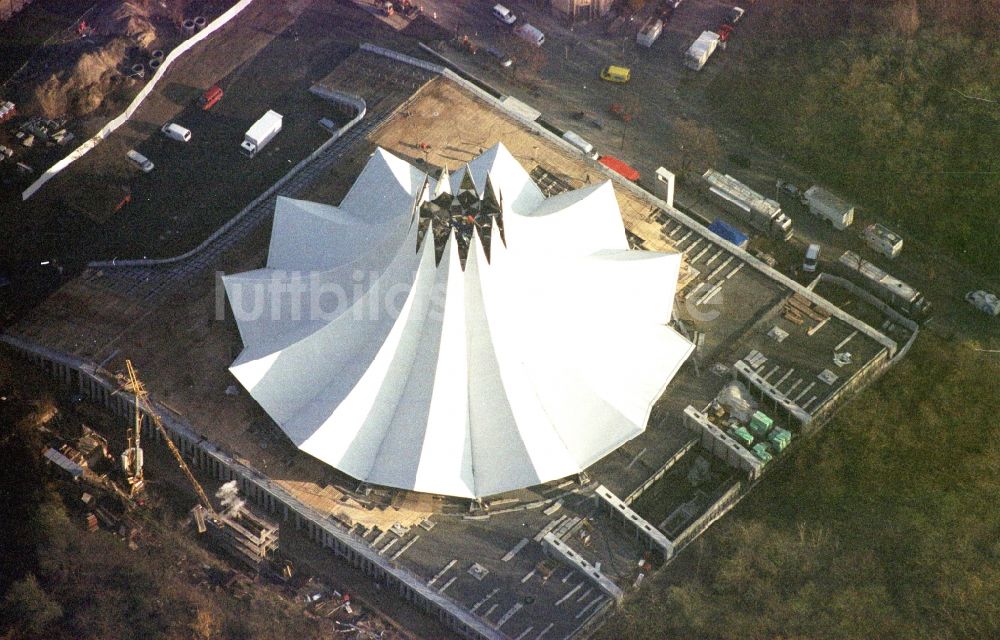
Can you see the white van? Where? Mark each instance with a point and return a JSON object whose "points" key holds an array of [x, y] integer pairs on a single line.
{"points": [[812, 257], [504, 15], [140, 160], [176, 132], [532, 34]]}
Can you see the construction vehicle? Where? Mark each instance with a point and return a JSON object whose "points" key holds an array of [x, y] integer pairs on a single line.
{"points": [[132, 456], [248, 537]]}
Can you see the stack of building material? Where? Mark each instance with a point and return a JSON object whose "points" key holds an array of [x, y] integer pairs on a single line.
{"points": [[779, 438], [740, 434], [799, 309], [760, 424], [760, 451]]}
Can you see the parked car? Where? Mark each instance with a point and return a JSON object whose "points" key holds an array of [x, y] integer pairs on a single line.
{"points": [[502, 58], [985, 301], [504, 15], [140, 160]]}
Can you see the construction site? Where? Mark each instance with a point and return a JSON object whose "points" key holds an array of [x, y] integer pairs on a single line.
{"points": [[152, 340], [772, 360]]}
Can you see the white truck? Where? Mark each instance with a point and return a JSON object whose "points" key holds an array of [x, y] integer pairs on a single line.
{"points": [[649, 32], [261, 132], [699, 52], [889, 288], [762, 213], [881, 239], [825, 205]]}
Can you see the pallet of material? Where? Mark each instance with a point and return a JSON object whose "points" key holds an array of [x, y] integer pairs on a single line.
{"points": [[791, 316]]}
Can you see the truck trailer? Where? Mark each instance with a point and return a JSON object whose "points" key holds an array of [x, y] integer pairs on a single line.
{"points": [[759, 212], [886, 287], [699, 52], [261, 132], [825, 205]]}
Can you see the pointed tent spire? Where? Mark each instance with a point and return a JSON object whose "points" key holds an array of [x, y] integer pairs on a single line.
{"points": [[443, 184]]}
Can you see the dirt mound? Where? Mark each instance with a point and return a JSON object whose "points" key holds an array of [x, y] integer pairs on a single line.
{"points": [[135, 20], [89, 69], [79, 90]]}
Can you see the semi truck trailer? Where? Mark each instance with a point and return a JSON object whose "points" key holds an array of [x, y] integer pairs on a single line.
{"points": [[759, 212]]}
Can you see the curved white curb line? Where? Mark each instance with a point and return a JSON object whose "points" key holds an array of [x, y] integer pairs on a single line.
{"points": [[80, 151]]}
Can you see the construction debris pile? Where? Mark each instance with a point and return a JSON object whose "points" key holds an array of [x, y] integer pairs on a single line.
{"points": [[100, 54]]}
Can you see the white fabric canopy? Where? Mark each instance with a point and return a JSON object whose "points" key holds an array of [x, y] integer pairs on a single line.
{"points": [[406, 370]]}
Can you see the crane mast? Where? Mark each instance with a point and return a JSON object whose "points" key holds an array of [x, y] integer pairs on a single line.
{"points": [[142, 404]]}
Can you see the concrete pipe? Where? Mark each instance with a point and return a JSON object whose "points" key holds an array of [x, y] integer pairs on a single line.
{"points": [[157, 53], [154, 64], [200, 22], [138, 70], [188, 26]]}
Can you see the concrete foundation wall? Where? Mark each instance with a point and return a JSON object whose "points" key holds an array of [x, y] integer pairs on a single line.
{"points": [[259, 490]]}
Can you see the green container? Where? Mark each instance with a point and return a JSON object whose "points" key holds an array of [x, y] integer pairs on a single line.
{"points": [[780, 438], [760, 424], [740, 434], [761, 452]]}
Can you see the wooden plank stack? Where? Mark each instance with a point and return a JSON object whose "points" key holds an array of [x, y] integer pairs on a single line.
{"points": [[799, 309]]}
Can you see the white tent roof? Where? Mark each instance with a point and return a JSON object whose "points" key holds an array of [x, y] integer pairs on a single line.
{"points": [[408, 370]]}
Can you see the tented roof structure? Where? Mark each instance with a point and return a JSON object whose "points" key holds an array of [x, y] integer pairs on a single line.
{"points": [[464, 336]]}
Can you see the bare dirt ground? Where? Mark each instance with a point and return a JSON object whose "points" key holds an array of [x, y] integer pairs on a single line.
{"points": [[266, 58]]}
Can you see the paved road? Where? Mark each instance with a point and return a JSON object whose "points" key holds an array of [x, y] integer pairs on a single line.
{"points": [[665, 99]]}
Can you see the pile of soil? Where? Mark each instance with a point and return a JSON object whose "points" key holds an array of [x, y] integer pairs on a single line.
{"points": [[91, 68]]}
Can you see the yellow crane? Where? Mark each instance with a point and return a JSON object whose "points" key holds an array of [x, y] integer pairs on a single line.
{"points": [[132, 456], [142, 403]]}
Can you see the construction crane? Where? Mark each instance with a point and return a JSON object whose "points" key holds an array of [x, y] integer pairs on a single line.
{"points": [[132, 456], [142, 404]]}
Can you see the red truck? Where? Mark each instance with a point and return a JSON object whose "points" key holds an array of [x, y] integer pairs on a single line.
{"points": [[210, 97], [620, 167]]}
